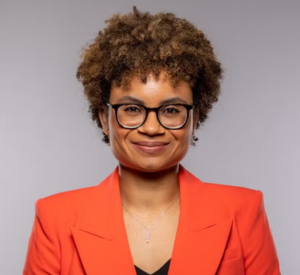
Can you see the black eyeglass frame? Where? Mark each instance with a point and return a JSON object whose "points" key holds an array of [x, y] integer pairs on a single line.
{"points": [[148, 109]]}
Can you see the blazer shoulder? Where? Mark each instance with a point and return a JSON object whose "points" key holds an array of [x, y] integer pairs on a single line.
{"points": [[68, 197], [68, 205], [223, 196], [221, 192], [230, 190], [235, 197], [64, 204]]}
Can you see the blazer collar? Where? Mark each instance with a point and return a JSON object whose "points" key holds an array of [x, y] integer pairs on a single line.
{"points": [[201, 236], [101, 240]]}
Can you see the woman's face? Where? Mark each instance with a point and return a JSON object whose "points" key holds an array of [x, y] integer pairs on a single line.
{"points": [[151, 147]]}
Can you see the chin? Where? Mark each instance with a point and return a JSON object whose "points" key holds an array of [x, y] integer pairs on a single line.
{"points": [[152, 166], [149, 163]]}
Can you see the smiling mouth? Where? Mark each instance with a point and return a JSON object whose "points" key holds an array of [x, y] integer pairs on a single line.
{"points": [[150, 147]]}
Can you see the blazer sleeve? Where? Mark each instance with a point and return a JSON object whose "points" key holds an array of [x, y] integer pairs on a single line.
{"points": [[43, 254], [260, 256]]}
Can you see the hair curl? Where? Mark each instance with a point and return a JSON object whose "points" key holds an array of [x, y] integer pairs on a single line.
{"points": [[136, 44]]}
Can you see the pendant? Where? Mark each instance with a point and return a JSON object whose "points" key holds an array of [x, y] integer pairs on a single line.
{"points": [[147, 236]]}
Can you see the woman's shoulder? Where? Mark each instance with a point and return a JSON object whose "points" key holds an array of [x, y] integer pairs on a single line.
{"points": [[224, 197], [235, 197], [230, 191], [62, 204], [76, 198], [222, 192], [230, 201], [221, 199], [70, 196]]}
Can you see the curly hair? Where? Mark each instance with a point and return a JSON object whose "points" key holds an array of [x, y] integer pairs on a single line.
{"points": [[136, 44]]}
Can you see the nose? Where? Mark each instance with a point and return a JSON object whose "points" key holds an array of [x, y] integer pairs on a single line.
{"points": [[151, 126]]}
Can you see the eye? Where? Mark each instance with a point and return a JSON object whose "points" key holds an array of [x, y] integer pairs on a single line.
{"points": [[170, 110], [132, 109]]}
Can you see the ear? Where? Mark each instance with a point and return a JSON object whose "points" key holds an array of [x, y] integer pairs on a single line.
{"points": [[103, 116]]}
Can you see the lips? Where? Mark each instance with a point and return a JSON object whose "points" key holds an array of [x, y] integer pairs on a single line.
{"points": [[150, 146], [150, 143]]}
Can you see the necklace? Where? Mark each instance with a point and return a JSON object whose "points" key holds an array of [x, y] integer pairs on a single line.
{"points": [[149, 226]]}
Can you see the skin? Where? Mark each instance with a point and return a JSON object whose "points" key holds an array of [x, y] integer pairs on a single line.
{"points": [[149, 180]]}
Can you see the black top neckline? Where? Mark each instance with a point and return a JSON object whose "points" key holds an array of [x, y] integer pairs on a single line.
{"points": [[162, 271]]}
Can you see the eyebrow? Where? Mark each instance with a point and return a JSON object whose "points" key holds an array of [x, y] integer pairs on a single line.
{"points": [[130, 99]]}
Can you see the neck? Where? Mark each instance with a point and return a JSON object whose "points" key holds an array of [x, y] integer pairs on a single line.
{"points": [[148, 192]]}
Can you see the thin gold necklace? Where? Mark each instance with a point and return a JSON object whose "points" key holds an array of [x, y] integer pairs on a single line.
{"points": [[149, 226]]}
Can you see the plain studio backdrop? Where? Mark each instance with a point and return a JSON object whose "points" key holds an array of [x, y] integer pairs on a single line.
{"points": [[48, 144]]}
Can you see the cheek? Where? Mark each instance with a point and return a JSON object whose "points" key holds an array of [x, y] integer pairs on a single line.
{"points": [[182, 141], [184, 136], [117, 136]]}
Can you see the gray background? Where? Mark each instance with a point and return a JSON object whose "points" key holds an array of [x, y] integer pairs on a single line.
{"points": [[48, 144]]}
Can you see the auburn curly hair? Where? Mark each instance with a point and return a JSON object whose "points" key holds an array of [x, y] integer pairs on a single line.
{"points": [[136, 44]]}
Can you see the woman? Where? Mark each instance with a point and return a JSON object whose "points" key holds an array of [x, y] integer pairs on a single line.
{"points": [[151, 81]]}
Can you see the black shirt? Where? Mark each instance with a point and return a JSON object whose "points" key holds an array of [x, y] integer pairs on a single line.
{"points": [[162, 271]]}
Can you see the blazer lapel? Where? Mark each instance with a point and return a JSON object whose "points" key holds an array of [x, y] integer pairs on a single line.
{"points": [[201, 237], [100, 236], [101, 241]]}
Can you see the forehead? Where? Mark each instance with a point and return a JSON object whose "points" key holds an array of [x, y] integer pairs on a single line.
{"points": [[152, 92]]}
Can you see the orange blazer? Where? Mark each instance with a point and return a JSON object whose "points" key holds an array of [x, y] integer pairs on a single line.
{"points": [[222, 230]]}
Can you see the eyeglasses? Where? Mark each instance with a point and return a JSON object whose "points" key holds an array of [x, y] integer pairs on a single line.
{"points": [[132, 116]]}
